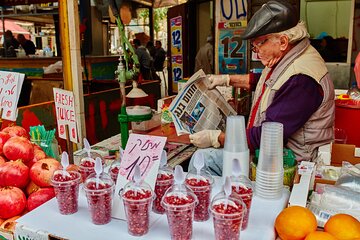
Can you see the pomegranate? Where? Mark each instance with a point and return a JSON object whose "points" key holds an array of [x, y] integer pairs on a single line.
{"points": [[3, 138], [2, 160], [38, 155], [42, 171], [9, 224], [37, 147], [16, 131], [31, 187], [18, 148], [39, 197], [14, 173], [12, 202]]}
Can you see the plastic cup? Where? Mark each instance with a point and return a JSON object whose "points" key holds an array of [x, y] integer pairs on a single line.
{"points": [[227, 223], [114, 170], [201, 186], [163, 182], [271, 147], [99, 197], [66, 191], [138, 215], [86, 168]]}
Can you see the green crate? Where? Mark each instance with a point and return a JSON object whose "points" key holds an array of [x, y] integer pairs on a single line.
{"points": [[288, 158]]}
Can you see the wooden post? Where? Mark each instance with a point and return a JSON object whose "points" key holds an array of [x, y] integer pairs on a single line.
{"points": [[69, 145]]}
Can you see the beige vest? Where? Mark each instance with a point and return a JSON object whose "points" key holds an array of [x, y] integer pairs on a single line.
{"points": [[318, 130]]}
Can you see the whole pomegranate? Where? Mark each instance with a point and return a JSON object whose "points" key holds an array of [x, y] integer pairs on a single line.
{"points": [[42, 170], [39, 197], [12, 202], [38, 155], [30, 188], [2, 160], [16, 131], [14, 173], [3, 138], [18, 148]]}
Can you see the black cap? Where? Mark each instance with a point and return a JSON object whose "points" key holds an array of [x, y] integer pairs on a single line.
{"points": [[272, 17]]}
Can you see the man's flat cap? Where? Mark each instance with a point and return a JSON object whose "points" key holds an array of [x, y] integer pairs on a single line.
{"points": [[272, 17]]}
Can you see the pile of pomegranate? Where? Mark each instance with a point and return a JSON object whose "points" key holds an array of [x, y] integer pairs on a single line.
{"points": [[25, 174]]}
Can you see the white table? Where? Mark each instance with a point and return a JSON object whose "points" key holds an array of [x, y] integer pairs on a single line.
{"points": [[78, 226]]}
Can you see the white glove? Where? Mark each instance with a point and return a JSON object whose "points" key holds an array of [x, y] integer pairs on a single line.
{"points": [[206, 138], [218, 80]]}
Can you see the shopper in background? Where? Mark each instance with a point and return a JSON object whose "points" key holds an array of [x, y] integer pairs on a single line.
{"points": [[204, 58], [10, 44], [26, 44], [144, 59], [160, 56], [294, 89]]}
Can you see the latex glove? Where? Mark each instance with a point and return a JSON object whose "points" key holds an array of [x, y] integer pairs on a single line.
{"points": [[218, 80], [206, 138]]}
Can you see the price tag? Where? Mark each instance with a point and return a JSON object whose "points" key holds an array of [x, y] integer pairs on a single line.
{"points": [[10, 88], [142, 150], [65, 113]]}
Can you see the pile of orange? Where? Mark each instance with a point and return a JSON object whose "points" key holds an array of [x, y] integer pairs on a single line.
{"points": [[299, 223]]}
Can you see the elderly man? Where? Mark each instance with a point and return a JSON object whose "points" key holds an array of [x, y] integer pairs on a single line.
{"points": [[294, 89]]}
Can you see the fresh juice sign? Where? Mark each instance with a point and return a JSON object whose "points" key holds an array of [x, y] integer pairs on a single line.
{"points": [[65, 113], [10, 88]]}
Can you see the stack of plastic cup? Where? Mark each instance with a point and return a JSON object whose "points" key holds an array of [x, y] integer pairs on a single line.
{"points": [[99, 194], [179, 203], [201, 185], [164, 180], [270, 171], [242, 188], [137, 198], [228, 213], [66, 190], [235, 146]]}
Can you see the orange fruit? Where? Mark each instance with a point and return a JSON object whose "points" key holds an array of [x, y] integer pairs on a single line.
{"points": [[343, 227], [295, 223], [320, 236]]}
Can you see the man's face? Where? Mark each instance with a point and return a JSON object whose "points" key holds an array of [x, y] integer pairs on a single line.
{"points": [[267, 48], [157, 45]]}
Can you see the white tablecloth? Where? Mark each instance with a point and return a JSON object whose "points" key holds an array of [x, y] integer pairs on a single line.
{"points": [[78, 226]]}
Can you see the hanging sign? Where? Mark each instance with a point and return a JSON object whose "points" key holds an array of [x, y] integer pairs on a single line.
{"points": [[65, 113], [177, 68], [176, 48], [231, 48], [10, 88], [142, 150]]}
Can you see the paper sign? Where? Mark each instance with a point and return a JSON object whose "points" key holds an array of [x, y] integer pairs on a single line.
{"points": [[176, 36], [10, 88], [65, 113], [142, 150]]}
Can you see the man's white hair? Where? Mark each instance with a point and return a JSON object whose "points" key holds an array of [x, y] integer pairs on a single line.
{"points": [[296, 33]]}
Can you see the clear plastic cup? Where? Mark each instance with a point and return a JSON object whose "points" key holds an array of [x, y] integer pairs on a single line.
{"points": [[201, 185], [164, 180], [179, 203], [271, 147], [114, 170], [137, 200], [242, 188], [66, 191], [99, 194], [227, 214], [86, 168]]}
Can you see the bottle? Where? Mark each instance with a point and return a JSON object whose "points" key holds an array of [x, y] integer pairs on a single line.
{"points": [[354, 92], [21, 52]]}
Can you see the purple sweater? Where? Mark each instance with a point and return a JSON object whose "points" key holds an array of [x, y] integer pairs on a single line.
{"points": [[293, 104]]}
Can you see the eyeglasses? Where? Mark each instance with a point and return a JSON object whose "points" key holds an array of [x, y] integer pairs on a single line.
{"points": [[255, 47]]}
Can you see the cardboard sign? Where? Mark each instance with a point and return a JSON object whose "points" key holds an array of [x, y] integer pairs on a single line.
{"points": [[65, 113], [142, 150], [10, 88]]}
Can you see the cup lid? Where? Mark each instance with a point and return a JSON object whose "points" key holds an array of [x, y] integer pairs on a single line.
{"points": [[203, 179], [103, 182], [241, 181], [232, 202], [136, 190], [179, 195]]}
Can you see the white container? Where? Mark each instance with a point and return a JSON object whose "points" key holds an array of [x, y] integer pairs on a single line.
{"points": [[242, 157]]}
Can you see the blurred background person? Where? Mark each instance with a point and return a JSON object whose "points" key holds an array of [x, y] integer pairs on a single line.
{"points": [[26, 44], [160, 56], [144, 59], [10, 44], [204, 58]]}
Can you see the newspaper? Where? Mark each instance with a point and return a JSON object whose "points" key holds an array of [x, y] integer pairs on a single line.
{"points": [[196, 108]]}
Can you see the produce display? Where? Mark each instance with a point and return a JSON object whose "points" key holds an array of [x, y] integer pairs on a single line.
{"points": [[25, 173]]}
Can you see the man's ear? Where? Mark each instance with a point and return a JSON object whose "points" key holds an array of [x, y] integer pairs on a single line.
{"points": [[284, 42]]}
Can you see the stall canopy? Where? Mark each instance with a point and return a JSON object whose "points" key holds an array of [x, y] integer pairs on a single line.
{"points": [[14, 28]]}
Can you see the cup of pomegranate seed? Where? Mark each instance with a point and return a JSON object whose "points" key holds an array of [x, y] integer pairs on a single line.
{"points": [[242, 188], [66, 186], [86, 167], [179, 203], [227, 215], [137, 198], [201, 185], [114, 170], [99, 193], [164, 180]]}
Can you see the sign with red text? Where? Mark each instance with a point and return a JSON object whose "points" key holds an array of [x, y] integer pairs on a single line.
{"points": [[65, 113], [10, 88], [142, 150]]}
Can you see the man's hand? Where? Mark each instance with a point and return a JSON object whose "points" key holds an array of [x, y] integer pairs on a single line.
{"points": [[206, 138], [218, 80]]}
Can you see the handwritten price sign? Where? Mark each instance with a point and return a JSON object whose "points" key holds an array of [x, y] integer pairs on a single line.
{"points": [[65, 113], [10, 88], [142, 150]]}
